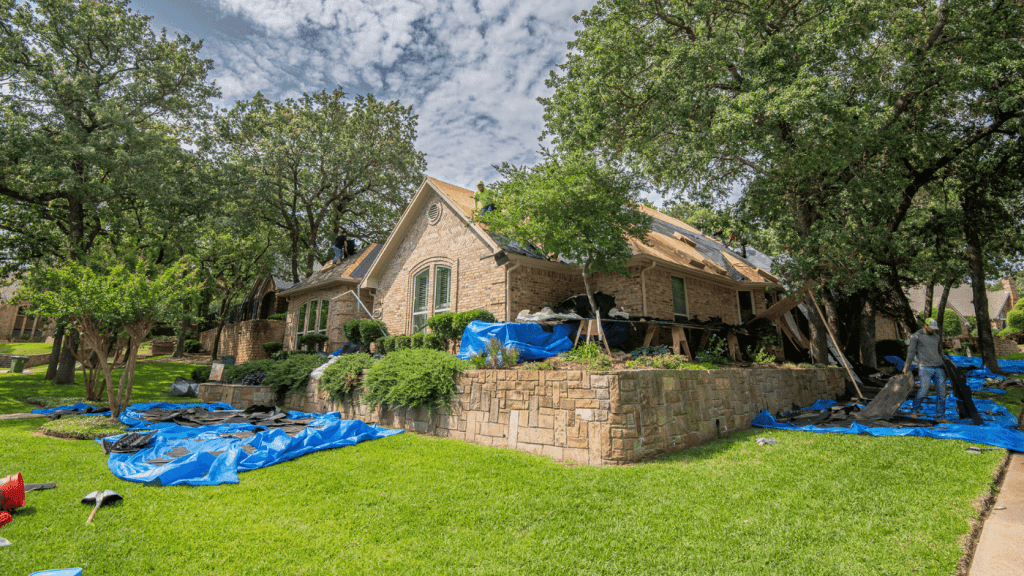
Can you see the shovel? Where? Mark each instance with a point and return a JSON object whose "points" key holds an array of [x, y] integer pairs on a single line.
{"points": [[100, 498]]}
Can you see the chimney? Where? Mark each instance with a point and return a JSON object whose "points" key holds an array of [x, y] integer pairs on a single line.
{"points": [[1010, 285]]}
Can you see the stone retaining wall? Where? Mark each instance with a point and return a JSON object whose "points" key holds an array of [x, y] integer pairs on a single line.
{"points": [[33, 360], [584, 417]]}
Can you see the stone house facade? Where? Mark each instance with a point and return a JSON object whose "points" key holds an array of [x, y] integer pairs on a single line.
{"points": [[248, 326], [437, 260], [329, 298], [14, 322]]}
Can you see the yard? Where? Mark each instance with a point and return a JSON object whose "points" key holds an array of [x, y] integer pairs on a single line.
{"points": [[409, 504]]}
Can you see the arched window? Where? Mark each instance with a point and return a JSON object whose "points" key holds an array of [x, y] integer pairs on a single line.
{"points": [[419, 301]]}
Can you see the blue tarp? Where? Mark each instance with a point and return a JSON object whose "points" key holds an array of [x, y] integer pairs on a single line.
{"points": [[217, 460], [976, 376], [79, 406], [999, 427], [529, 338]]}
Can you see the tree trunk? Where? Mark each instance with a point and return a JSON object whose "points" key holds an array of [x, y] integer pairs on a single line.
{"points": [[179, 345], [941, 316], [66, 367], [929, 298], [58, 341], [976, 266], [818, 336], [215, 349], [867, 335], [597, 313]]}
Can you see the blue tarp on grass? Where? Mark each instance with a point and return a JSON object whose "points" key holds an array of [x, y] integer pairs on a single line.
{"points": [[999, 427], [217, 460], [974, 371], [529, 338], [80, 406]]}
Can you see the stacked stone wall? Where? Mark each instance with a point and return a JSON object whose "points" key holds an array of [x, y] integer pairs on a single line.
{"points": [[244, 340], [586, 417]]}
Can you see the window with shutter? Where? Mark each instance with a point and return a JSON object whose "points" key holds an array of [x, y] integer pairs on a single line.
{"points": [[679, 307], [442, 289], [419, 301], [325, 306]]}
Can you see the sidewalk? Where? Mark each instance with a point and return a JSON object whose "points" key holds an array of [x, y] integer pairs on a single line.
{"points": [[1000, 549]]}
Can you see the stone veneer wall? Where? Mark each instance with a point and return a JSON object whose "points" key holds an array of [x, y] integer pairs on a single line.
{"points": [[587, 417], [244, 340], [33, 360]]}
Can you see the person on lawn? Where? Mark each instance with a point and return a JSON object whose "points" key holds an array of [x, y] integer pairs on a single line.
{"points": [[926, 347]]}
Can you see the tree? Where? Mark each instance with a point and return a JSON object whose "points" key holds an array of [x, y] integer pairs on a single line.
{"points": [[574, 207], [832, 117], [102, 303], [313, 165]]}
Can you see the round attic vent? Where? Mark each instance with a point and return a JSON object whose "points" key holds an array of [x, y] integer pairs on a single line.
{"points": [[434, 212], [378, 313]]}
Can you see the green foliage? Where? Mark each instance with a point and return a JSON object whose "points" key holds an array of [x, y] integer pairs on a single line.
{"points": [[657, 350], [760, 356], [379, 344], [292, 373], [344, 374], [413, 378], [351, 330], [668, 362], [285, 354], [200, 374], [272, 348], [589, 353], [371, 330], [433, 342], [312, 342], [715, 353], [896, 348], [951, 325], [401, 342], [542, 365], [497, 355], [281, 316], [386, 344], [192, 346], [416, 340], [236, 372], [449, 325], [1015, 317]]}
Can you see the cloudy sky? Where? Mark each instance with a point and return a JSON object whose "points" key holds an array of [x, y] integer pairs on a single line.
{"points": [[471, 69]]}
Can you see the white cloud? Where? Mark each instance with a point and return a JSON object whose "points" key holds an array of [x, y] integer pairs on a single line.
{"points": [[472, 70]]}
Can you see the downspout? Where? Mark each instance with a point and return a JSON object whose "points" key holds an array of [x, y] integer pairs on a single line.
{"points": [[643, 284], [508, 290]]}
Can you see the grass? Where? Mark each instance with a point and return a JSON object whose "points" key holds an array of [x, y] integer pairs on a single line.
{"points": [[82, 427], [25, 348], [812, 504]]}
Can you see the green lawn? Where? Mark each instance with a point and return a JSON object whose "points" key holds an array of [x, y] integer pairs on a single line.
{"points": [[813, 504], [25, 348]]}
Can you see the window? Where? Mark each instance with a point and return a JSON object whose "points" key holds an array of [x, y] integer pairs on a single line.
{"points": [[312, 319], [442, 289], [299, 324], [679, 307], [746, 298], [419, 301]]}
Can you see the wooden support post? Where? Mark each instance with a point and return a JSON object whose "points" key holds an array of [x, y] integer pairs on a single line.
{"points": [[842, 357], [734, 346], [653, 331], [679, 343]]}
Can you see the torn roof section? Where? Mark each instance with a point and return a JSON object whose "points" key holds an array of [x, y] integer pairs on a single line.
{"points": [[350, 270]]}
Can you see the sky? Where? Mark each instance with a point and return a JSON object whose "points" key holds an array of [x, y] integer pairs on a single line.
{"points": [[472, 70]]}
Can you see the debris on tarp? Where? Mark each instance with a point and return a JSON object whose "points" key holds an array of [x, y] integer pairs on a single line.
{"points": [[205, 444], [75, 409], [531, 339]]}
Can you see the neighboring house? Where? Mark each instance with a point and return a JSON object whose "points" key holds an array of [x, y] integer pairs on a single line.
{"points": [[437, 260], [247, 327], [324, 302], [961, 300], [14, 322]]}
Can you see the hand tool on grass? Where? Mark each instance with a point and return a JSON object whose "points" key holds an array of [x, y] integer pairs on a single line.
{"points": [[100, 498]]}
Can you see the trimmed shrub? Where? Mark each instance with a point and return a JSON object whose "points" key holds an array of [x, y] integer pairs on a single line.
{"points": [[351, 330], [200, 374], [293, 373], [413, 378], [344, 375], [379, 344], [281, 316], [272, 348], [433, 342], [371, 330], [192, 346], [403, 342], [284, 354], [313, 342], [386, 344], [449, 325], [441, 325], [417, 340], [896, 348]]}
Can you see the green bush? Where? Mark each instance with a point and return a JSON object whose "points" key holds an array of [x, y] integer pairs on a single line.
{"points": [[449, 325], [417, 340], [380, 344], [200, 374], [497, 355], [343, 376], [715, 353], [371, 330], [351, 330], [284, 354], [313, 342], [413, 378], [433, 342], [950, 322], [402, 342], [281, 316], [272, 348], [192, 346], [657, 350], [293, 373], [896, 348], [235, 372], [441, 325]]}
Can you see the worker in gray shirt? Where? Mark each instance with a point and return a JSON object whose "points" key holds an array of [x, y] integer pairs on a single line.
{"points": [[926, 347]]}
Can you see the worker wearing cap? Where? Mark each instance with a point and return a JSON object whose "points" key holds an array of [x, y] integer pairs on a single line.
{"points": [[926, 347]]}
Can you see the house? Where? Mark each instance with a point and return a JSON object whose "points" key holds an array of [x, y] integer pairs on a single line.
{"points": [[329, 298], [961, 300], [436, 260], [15, 322], [248, 325]]}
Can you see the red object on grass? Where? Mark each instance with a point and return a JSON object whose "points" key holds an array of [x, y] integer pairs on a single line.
{"points": [[12, 492], [5, 517]]}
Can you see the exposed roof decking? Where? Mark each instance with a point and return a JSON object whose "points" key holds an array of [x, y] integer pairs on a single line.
{"points": [[351, 270]]}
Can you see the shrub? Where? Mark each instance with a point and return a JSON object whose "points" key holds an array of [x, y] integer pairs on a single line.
{"points": [[284, 354], [651, 351], [292, 373], [588, 353], [433, 342], [497, 355], [950, 321], [343, 376], [715, 352], [760, 356], [413, 378], [387, 344], [272, 348], [371, 330], [200, 374], [441, 325], [668, 362], [462, 319], [896, 348], [237, 372], [449, 325], [417, 340], [379, 344], [192, 346], [351, 330], [312, 342], [281, 316], [402, 342]]}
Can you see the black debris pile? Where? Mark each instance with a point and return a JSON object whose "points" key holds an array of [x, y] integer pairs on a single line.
{"points": [[580, 304], [129, 443], [254, 378], [261, 416], [77, 412], [843, 416]]}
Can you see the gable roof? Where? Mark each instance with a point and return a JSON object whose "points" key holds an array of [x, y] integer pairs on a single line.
{"points": [[670, 240], [349, 270], [961, 299]]}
